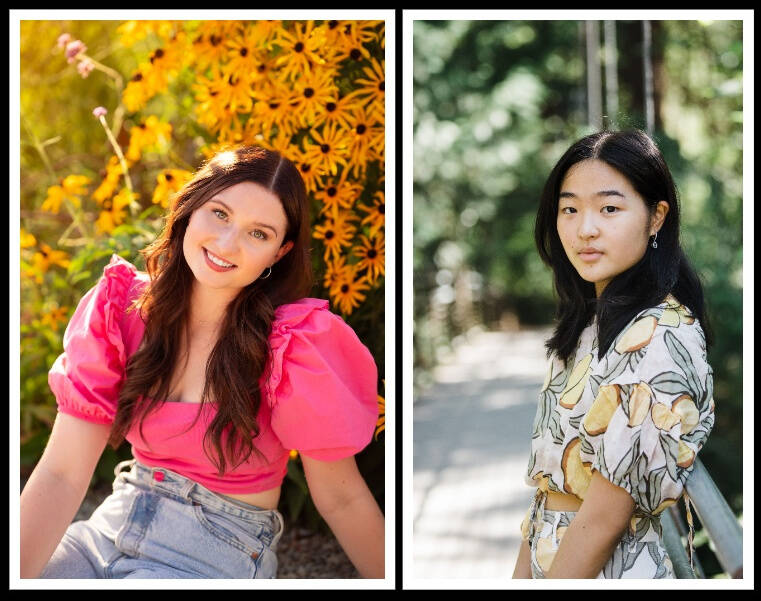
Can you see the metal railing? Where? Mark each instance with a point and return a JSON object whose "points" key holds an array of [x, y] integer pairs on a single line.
{"points": [[718, 520]]}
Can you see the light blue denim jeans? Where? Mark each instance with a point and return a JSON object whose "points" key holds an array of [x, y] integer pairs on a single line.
{"points": [[159, 524]]}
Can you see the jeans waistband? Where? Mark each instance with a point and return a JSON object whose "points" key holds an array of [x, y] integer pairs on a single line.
{"points": [[175, 485]]}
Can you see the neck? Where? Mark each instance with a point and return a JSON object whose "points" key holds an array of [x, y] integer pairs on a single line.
{"points": [[207, 308]]}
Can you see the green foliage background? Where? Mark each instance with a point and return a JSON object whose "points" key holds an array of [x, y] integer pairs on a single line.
{"points": [[60, 136], [496, 103]]}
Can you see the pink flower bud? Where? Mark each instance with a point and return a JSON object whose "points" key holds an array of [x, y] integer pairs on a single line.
{"points": [[73, 49], [99, 111], [84, 67], [63, 39]]}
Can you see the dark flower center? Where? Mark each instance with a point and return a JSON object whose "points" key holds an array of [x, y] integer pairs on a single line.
{"points": [[261, 68], [232, 80], [298, 47], [382, 208], [305, 168], [215, 40], [332, 24], [345, 288], [212, 94], [382, 86], [274, 105], [243, 51], [308, 92], [168, 177], [372, 253], [137, 77], [331, 106], [355, 54], [361, 128], [325, 148], [108, 204], [329, 235], [332, 191]]}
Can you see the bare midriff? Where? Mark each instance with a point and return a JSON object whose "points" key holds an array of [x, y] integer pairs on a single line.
{"points": [[558, 501], [267, 499]]}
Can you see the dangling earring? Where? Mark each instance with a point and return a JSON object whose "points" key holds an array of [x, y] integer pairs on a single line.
{"points": [[269, 273], [655, 244]]}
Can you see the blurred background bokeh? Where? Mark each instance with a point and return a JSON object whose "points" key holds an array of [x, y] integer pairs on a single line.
{"points": [[496, 103], [172, 93]]}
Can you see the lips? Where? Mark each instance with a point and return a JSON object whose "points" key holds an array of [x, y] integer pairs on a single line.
{"points": [[213, 265], [590, 254]]}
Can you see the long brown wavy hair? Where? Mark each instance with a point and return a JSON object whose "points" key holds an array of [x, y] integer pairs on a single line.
{"points": [[240, 354]]}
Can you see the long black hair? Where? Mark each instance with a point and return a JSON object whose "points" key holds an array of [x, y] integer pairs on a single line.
{"points": [[661, 270]]}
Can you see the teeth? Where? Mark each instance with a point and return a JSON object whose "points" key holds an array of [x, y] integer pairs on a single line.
{"points": [[216, 261]]}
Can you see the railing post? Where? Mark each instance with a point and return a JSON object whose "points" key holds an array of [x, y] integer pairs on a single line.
{"points": [[672, 540], [717, 518]]}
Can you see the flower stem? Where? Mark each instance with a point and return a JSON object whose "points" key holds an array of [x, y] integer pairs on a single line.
{"points": [[134, 206]]}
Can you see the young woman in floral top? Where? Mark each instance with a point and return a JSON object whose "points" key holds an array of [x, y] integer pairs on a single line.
{"points": [[628, 398]]}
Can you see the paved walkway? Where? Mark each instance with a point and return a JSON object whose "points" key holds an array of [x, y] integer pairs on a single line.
{"points": [[471, 433]]}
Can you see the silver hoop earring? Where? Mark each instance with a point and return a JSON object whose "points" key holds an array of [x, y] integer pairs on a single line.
{"points": [[655, 244], [269, 273]]}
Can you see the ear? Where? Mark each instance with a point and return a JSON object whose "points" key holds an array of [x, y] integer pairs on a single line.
{"points": [[661, 210], [283, 250]]}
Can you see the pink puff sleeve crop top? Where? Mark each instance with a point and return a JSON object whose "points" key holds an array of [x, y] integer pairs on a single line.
{"points": [[318, 390]]}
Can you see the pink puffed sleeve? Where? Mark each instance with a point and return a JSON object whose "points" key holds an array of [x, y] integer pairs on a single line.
{"points": [[322, 385], [87, 376]]}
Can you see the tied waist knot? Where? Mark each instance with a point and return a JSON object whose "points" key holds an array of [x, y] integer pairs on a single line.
{"points": [[535, 511]]}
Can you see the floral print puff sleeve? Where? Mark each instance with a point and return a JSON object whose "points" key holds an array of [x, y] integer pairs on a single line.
{"points": [[653, 409], [638, 414]]}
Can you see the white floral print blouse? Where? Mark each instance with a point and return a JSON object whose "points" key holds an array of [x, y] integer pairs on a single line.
{"points": [[639, 415]]}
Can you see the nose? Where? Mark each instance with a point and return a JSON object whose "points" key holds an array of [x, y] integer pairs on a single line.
{"points": [[588, 225], [227, 242]]}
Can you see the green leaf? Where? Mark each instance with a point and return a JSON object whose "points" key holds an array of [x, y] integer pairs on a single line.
{"points": [[296, 475], [618, 368], [556, 429], [295, 500], [31, 450], [670, 449], [682, 358], [586, 446], [669, 382], [78, 277]]}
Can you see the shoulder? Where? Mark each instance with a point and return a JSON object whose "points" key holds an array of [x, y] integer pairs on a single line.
{"points": [[663, 339], [307, 333], [313, 349], [670, 318], [309, 317], [121, 284]]}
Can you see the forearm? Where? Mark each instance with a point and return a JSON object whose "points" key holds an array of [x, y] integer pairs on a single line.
{"points": [[523, 563], [585, 548], [359, 528], [47, 507]]}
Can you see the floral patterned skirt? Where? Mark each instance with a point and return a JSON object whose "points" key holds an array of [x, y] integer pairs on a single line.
{"points": [[639, 554]]}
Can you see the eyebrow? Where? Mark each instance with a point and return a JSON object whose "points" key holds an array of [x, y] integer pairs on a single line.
{"points": [[600, 193], [229, 210]]}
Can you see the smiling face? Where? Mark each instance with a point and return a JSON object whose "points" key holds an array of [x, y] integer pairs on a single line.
{"points": [[233, 237], [603, 223]]}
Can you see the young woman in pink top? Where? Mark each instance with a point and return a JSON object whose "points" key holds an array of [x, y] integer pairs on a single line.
{"points": [[213, 365]]}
